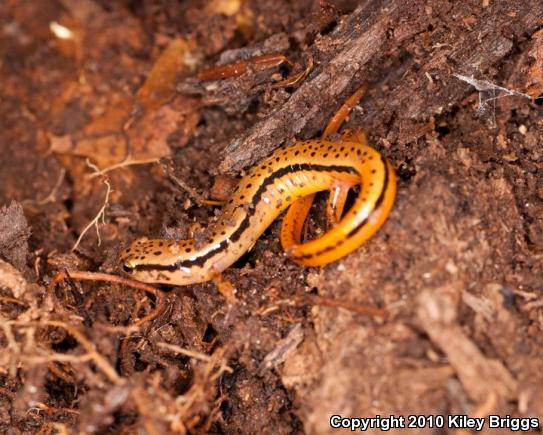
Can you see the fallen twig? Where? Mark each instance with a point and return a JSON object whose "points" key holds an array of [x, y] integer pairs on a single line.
{"points": [[367, 310], [97, 276], [123, 164], [190, 353], [101, 362]]}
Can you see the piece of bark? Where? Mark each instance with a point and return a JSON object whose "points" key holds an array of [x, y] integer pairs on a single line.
{"points": [[283, 349], [361, 35], [14, 234], [479, 375], [372, 44]]}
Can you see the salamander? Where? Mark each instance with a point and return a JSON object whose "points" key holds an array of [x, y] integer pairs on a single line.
{"points": [[265, 192]]}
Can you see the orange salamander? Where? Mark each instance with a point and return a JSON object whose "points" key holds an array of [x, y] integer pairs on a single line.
{"points": [[288, 177]]}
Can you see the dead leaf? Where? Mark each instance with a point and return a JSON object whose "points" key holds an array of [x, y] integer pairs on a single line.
{"points": [[148, 137], [117, 135], [180, 59]]}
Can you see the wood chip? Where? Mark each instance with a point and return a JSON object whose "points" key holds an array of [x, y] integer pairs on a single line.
{"points": [[480, 376]]}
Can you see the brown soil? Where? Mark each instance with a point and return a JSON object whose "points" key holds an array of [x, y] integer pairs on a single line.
{"points": [[455, 102]]}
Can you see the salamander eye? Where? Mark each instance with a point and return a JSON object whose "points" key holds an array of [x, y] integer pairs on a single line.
{"points": [[128, 268]]}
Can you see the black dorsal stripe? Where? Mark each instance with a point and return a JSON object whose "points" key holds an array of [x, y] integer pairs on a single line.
{"points": [[244, 224]]}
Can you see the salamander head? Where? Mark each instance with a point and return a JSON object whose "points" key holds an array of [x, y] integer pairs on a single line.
{"points": [[152, 260]]}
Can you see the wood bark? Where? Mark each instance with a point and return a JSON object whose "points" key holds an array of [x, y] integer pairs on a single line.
{"points": [[380, 42]]}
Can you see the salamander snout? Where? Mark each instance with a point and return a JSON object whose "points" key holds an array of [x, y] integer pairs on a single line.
{"points": [[132, 256], [129, 260]]}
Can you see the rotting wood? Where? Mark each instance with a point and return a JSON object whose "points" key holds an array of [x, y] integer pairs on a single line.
{"points": [[417, 87], [480, 376]]}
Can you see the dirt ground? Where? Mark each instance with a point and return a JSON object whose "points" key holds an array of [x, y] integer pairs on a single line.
{"points": [[110, 129]]}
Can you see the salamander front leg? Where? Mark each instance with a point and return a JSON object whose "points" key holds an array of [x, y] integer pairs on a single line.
{"points": [[335, 122], [293, 222], [336, 201]]}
